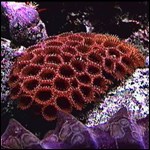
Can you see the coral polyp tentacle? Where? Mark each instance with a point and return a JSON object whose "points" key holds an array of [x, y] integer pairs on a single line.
{"points": [[49, 112], [25, 101]]}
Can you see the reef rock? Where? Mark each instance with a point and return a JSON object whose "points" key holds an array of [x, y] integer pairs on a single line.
{"points": [[26, 27]]}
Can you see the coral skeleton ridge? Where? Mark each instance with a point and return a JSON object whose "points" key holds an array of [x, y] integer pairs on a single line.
{"points": [[68, 70]]}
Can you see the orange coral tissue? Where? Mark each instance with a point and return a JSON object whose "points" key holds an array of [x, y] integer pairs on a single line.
{"points": [[68, 70]]}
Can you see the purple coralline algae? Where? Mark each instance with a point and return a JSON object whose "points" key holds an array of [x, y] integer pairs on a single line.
{"points": [[8, 55], [147, 61], [141, 39], [144, 125], [133, 93], [17, 137], [25, 25], [121, 131]]}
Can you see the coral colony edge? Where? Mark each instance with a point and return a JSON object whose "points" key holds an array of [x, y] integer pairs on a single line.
{"points": [[67, 71]]}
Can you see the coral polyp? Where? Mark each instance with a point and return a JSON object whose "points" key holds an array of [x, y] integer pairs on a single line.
{"points": [[68, 70]]}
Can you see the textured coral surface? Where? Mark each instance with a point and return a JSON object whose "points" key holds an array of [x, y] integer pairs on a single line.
{"points": [[119, 132], [68, 70]]}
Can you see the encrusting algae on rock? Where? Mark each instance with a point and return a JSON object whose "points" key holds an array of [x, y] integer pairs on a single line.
{"points": [[25, 26], [69, 70]]}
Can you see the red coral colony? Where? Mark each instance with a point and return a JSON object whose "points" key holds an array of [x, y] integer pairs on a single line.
{"points": [[68, 70]]}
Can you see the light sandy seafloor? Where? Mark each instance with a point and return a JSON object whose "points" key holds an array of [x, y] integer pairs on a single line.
{"points": [[133, 93]]}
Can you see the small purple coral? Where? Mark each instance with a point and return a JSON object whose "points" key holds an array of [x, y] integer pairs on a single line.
{"points": [[121, 131], [17, 137], [26, 27]]}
